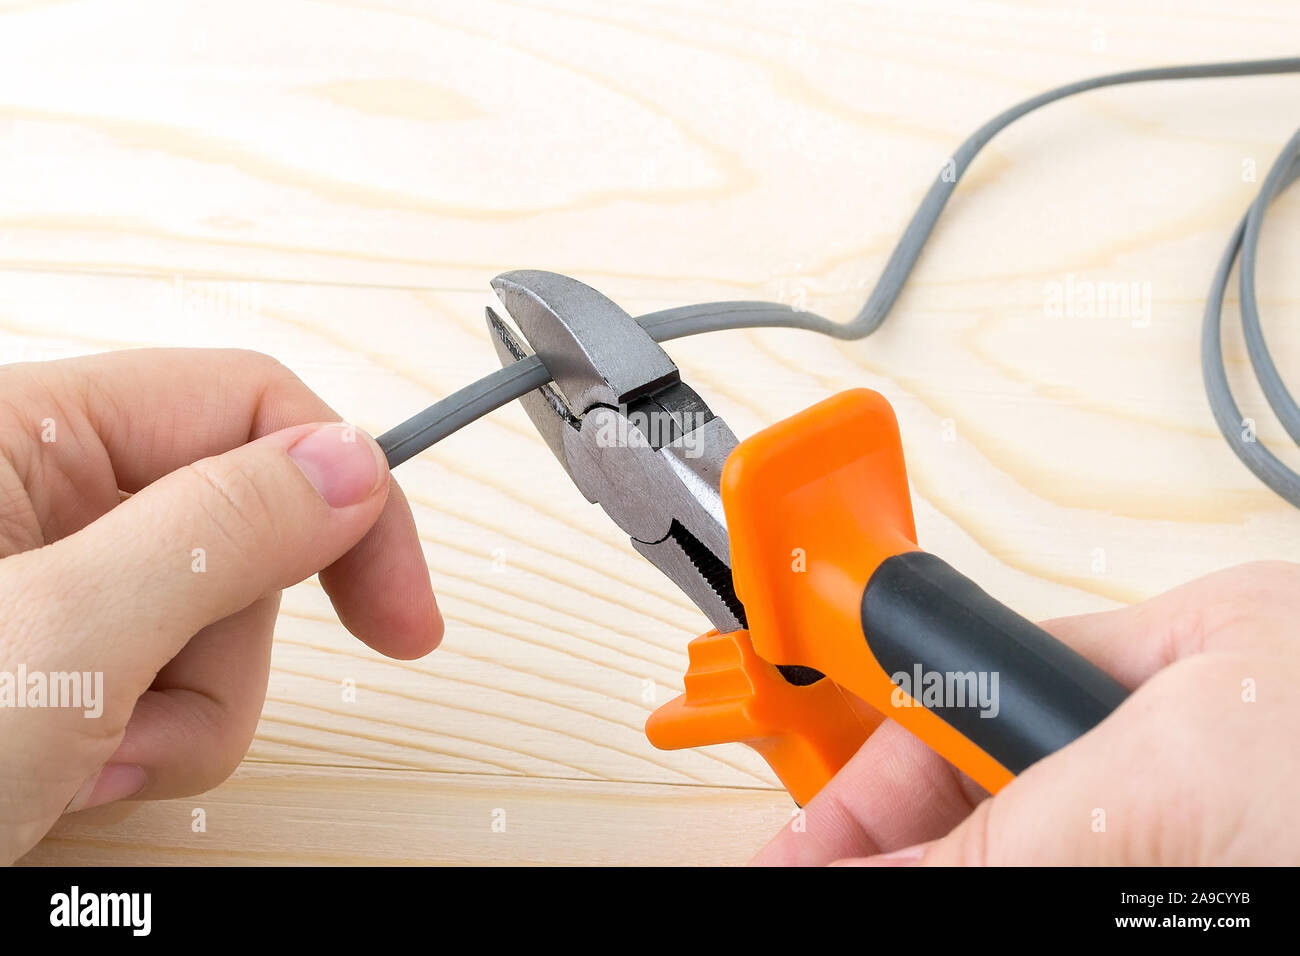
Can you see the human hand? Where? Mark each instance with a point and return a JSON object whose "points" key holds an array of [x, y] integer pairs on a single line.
{"points": [[235, 492], [1199, 765]]}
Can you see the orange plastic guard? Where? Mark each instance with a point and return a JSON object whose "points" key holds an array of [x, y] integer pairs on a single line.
{"points": [[805, 733], [814, 504]]}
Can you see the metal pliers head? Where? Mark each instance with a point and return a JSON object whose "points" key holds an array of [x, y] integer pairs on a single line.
{"points": [[633, 437]]}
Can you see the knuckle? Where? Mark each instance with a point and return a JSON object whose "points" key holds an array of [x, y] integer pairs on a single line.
{"points": [[1252, 588], [253, 357], [220, 736], [227, 750], [271, 373], [1235, 608], [270, 369], [978, 836], [969, 844], [233, 502]]}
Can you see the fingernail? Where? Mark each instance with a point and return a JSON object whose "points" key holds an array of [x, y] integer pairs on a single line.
{"points": [[341, 462], [908, 856], [117, 781]]}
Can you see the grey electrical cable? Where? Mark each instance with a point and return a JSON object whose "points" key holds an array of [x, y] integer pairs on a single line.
{"points": [[504, 385], [462, 407], [1283, 172], [1242, 438]]}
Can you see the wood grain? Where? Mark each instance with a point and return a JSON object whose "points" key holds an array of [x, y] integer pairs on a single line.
{"points": [[335, 183], [334, 816]]}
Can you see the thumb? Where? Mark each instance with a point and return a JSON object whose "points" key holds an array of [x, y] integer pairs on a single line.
{"points": [[129, 590]]}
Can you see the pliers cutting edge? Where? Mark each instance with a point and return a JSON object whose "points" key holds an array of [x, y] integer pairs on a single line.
{"points": [[799, 547]]}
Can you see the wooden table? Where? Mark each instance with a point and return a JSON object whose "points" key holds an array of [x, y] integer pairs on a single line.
{"points": [[335, 183]]}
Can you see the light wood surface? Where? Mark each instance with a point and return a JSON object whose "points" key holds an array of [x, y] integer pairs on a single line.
{"points": [[335, 183]]}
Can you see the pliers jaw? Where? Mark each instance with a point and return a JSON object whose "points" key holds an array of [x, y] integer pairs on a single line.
{"points": [[633, 437]]}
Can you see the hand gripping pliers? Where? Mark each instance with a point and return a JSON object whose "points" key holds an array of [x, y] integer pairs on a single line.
{"points": [[799, 546]]}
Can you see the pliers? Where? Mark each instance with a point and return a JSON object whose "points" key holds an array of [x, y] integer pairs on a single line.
{"points": [[799, 547]]}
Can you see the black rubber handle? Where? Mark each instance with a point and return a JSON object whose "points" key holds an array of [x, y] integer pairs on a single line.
{"points": [[1007, 685]]}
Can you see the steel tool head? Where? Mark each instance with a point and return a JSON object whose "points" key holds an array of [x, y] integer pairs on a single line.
{"points": [[595, 351], [631, 435]]}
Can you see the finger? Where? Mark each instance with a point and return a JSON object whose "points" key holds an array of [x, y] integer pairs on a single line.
{"points": [[196, 546], [149, 412], [1251, 605], [895, 791], [193, 726], [381, 590], [156, 410], [906, 856]]}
